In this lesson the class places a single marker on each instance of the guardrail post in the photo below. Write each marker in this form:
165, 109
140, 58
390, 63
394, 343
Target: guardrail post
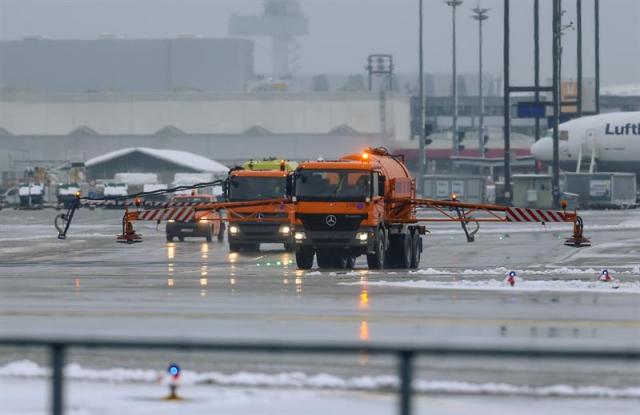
57, 355
405, 369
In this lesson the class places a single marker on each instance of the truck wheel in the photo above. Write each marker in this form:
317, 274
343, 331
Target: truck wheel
220, 235
252, 247
169, 238
209, 235
289, 247
376, 259
325, 259
340, 260
304, 258
181, 238
416, 250
351, 261
404, 252
234, 247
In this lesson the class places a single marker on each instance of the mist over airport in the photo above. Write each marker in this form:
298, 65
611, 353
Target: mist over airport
263, 206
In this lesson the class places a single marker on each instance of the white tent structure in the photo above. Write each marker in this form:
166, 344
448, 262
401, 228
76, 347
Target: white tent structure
165, 163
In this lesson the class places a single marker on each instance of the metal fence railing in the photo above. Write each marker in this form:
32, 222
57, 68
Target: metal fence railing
406, 355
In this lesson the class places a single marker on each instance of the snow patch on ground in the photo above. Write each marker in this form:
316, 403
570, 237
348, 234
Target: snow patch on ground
500, 285
301, 380
555, 227
556, 271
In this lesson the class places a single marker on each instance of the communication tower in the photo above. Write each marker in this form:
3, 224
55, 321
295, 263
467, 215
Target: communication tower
282, 21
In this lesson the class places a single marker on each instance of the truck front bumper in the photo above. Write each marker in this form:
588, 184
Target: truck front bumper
260, 233
362, 240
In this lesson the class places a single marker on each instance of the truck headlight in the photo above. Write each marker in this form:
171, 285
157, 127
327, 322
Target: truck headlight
171, 220
299, 236
362, 236
285, 229
233, 229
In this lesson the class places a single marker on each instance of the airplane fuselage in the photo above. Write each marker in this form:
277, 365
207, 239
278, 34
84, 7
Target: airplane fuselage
612, 140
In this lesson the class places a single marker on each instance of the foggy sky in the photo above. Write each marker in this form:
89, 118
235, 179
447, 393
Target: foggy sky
344, 32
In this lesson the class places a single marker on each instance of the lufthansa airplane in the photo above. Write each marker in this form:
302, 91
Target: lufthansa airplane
605, 142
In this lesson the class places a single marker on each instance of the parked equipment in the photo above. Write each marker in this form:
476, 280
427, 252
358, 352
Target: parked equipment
31, 196
66, 194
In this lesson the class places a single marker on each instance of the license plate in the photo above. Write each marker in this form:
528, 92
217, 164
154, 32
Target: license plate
186, 230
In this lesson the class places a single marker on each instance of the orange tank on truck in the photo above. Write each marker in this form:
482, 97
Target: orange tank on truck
267, 223
343, 210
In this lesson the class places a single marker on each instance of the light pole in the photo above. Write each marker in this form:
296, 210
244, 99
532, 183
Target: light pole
422, 157
480, 15
557, 96
454, 4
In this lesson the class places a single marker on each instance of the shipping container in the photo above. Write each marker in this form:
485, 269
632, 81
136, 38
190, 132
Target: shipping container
532, 190
469, 189
602, 190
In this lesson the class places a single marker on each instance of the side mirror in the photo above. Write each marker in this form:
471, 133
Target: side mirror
290, 185
381, 180
225, 189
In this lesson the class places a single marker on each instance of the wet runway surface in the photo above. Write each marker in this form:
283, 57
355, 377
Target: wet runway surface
201, 290
88, 285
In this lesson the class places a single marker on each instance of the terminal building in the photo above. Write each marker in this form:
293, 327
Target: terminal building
111, 64
67, 101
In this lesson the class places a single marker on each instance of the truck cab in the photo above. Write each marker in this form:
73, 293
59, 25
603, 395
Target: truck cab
353, 206
251, 226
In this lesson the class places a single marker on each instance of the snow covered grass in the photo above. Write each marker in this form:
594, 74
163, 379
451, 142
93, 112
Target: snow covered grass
26, 369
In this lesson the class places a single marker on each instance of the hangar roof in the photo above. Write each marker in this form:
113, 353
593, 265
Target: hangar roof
181, 158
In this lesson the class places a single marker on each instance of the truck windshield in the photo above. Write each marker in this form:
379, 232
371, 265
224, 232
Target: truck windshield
243, 188
344, 185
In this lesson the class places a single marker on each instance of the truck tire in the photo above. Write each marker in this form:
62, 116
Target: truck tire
181, 238
233, 247
340, 260
169, 238
416, 250
251, 247
404, 251
376, 259
351, 261
325, 259
304, 258
209, 235
221, 231
289, 247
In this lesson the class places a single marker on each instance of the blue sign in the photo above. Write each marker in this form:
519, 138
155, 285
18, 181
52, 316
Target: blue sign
563, 118
531, 109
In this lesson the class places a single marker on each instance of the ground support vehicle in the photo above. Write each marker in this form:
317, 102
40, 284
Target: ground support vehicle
365, 204
66, 194
259, 180
359, 205
203, 225
31, 196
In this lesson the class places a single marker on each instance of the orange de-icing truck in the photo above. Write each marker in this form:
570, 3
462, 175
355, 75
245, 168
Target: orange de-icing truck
358, 205
250, 226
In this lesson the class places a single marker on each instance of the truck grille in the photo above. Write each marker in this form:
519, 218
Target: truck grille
259, 229
331, 222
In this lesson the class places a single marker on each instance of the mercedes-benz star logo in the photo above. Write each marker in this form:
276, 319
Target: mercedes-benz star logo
260, 215
331, 220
